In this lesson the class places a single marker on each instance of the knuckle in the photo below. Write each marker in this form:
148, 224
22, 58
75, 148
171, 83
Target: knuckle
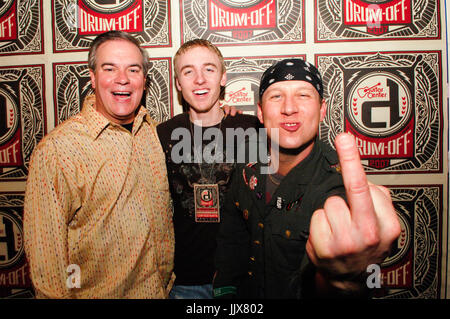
372, 240
358, 187
395, 230
325, 254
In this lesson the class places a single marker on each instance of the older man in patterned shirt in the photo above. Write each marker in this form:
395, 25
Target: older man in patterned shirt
97, 213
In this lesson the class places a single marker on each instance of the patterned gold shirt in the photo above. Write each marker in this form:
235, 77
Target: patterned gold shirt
97, 197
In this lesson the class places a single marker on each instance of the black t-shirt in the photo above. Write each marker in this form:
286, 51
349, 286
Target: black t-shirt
195, 242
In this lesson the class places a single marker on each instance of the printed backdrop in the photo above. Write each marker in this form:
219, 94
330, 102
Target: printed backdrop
384, 66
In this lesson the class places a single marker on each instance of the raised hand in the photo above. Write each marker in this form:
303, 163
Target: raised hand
345, 239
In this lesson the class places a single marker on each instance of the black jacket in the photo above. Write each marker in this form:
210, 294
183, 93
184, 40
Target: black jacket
261, 247
195, 243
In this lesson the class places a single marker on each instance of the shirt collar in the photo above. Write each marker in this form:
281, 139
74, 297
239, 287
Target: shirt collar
141, 117
96, 122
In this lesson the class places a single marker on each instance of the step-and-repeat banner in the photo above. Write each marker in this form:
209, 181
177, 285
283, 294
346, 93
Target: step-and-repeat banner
384, 67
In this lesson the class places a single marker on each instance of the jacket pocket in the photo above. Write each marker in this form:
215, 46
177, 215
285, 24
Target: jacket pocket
288, 245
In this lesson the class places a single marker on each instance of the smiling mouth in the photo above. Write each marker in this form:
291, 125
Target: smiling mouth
201, 92
292, 127
122, 94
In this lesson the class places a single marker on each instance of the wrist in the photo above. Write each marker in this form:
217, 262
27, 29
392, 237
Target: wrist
352, 285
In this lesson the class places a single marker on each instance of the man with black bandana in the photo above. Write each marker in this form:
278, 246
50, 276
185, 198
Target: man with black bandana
306, 230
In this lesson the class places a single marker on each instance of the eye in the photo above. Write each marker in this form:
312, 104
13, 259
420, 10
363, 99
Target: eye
274, 96
304, 95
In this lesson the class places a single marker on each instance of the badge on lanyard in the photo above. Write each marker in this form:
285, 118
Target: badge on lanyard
206, 197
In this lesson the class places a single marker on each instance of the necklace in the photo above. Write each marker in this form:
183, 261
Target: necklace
206, 191
276, 182
207, 178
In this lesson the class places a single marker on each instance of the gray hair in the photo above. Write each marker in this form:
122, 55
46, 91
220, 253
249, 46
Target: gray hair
111, 36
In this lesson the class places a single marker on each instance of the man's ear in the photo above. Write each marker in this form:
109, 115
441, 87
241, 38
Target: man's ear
147, 81
323, 110
92, 76
259, 113
177, 84
223, 80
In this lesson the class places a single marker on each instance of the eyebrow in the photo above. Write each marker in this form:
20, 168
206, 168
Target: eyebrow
204, 64
129, 66
299, 87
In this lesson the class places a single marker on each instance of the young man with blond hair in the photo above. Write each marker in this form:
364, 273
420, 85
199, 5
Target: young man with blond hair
200, 77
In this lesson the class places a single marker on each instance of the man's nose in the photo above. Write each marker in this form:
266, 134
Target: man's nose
122, 77
289, 106
199, 78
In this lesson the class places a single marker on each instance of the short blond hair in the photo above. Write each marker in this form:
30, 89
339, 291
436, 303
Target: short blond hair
198, 43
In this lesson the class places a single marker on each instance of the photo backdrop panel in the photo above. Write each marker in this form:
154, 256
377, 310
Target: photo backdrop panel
413, 268
72, 84
229, 22
392, 103
15, 279
77, 22
22, 118
21, 27
386, 89
362, 20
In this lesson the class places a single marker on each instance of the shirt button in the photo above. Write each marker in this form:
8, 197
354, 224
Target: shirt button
245, 214
261, 225
252, 258
257, 242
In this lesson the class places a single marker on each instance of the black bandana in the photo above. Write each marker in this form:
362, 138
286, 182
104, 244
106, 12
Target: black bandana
291, 69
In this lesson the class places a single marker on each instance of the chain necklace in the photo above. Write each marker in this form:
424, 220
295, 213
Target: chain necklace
204, 179
274, 181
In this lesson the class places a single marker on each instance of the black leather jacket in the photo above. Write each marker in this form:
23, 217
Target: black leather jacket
261, 247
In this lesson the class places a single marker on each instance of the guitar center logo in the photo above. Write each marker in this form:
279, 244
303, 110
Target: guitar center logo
356, 20
78, 22
22, 116
72, 84
379, 108
243, 76
413, 267
13, 265
231, 22
21, 27
391, 103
